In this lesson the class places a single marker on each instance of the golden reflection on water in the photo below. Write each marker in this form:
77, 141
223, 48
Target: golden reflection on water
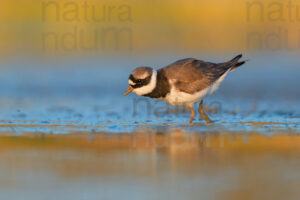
241, 166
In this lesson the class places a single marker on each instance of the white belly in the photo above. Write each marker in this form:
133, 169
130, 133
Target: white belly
178, 98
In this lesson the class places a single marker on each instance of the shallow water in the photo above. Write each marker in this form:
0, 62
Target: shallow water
67, 132
63, 96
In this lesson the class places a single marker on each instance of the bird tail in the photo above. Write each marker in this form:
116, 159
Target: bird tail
235, 63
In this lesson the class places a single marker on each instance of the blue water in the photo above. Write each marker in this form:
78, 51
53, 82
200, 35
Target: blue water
85, 94
212, 161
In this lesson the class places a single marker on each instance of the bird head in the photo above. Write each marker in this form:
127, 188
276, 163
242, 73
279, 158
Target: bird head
142, 81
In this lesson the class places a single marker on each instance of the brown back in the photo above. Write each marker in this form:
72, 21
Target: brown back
192, 75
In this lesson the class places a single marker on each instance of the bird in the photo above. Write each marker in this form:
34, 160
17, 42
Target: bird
182, 83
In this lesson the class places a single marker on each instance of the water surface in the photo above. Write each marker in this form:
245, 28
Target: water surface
67, 132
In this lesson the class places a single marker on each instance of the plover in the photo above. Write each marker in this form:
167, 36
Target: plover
182, 83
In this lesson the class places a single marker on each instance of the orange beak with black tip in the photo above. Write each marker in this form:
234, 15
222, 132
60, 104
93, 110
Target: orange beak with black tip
129, 90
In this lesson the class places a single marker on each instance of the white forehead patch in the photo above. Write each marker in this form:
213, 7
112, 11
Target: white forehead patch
130, 82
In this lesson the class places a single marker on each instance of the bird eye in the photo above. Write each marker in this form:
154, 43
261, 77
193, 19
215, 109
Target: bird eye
139, 80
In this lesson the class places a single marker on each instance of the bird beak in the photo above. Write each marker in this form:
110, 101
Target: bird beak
129, 90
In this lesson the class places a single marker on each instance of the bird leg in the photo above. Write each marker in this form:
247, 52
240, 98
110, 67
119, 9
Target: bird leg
192, 114
203, 115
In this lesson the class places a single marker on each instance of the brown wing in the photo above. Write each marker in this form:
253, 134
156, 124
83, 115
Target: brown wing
192, 75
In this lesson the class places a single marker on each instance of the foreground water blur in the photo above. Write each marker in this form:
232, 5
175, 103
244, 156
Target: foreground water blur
150, 165
66, 132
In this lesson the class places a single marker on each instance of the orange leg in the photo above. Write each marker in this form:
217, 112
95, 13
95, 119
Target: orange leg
203, 115
192, 114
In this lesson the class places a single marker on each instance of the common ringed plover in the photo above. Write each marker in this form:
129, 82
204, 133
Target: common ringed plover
182, 83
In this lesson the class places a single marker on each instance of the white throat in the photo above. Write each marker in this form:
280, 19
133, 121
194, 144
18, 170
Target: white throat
147, 88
